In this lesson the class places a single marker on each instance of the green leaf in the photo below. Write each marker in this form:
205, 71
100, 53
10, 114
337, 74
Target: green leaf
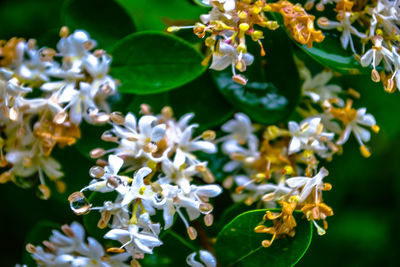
273, 89
200, 96
153, 62
238, 245
200, 3
203, 98
159, 14
106, 22
172, 252
38, 233
331, 54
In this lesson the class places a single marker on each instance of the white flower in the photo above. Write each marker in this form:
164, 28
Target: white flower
317, 88
169, 195
386, 14
206, 258
227, 55
140, 140
176, 172
98, 68
139, 190
37, 163
193, 200
308, 135
110, 171
344, 25
396, 63
375, 55
247, 156
134, 240
256, 191
75, 47
228, 5
240, 128
308, 183
47, 259
72, 242
361, 134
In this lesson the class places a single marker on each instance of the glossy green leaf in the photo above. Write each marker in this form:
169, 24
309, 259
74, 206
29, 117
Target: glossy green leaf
38, 233
203, 98
152, 62
273, 89
200, 96
238, 245
200, 3
331, 54
106, 21
159, 14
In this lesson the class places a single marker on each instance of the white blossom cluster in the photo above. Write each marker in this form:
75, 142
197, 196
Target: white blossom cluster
160, 151
69, 249
283, 164
382, 35
226, 27
45, 94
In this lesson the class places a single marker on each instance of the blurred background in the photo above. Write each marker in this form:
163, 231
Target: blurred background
365, 195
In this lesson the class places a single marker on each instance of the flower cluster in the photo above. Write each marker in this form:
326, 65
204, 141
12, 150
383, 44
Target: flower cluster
159, 150
45, 94
70, 249
282, 168
230, 21
376, 24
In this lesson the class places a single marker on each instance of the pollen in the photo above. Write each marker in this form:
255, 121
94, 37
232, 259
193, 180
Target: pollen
365, 152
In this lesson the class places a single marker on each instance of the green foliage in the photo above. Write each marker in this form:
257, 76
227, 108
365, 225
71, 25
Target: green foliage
238, 245
199, 96
331, 54
159, 14
100, 19
273, 90
153, 62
